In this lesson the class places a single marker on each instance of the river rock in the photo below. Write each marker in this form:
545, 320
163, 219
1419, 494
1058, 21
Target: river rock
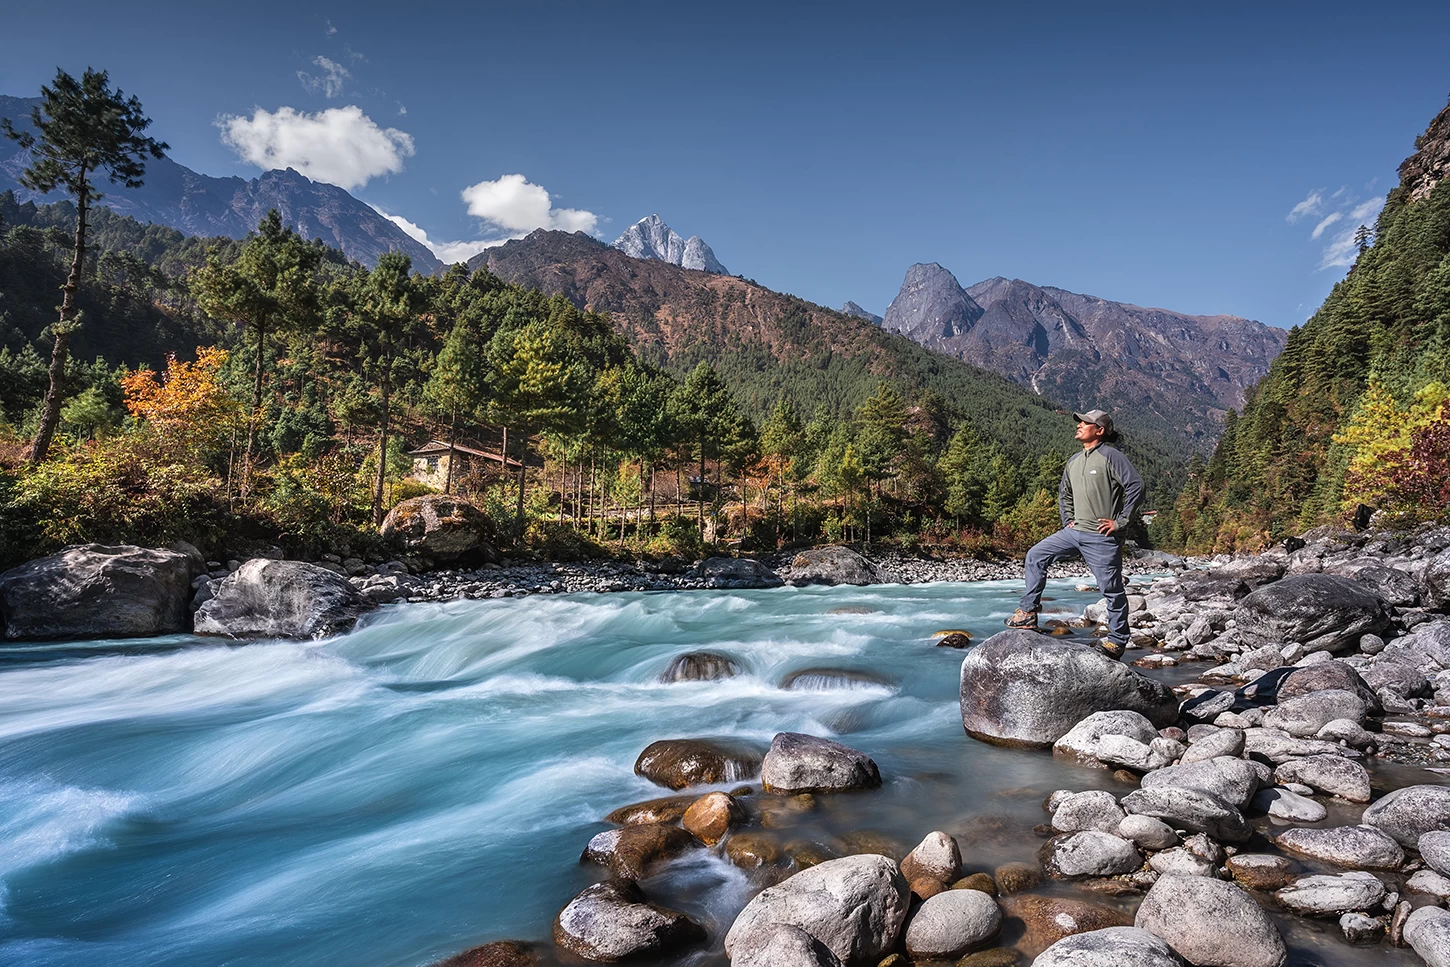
1094, 809
1304, 715
1409, 813
752, 849
828, 679
1224, 742
670, 809
677, 763
1090, 853
710, 817
1288, 806
1109, 947
500, 953
734, 572
1016, 877
281, 599
1403, 679
1233, 780
1360, 928
1328, 773
782, 945
1278, 746
832, 565
100, 591
444, 527
1321, 611
1428, 881
630, 850
700, 666
1260, 871
1324, 676
1326, 895
1427, 931
610, 921
1360, 847
1211, 923
806, 763
936, 857
1434, 847
1395, 586
1047, 919
1147, 832
855, 906
1181, 860
1020, 688
952, 923
1435, 582
1112, 739
1427, 647
1190, 809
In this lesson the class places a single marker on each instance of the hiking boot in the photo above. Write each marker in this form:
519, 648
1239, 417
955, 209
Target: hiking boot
1022, 619
1113, 649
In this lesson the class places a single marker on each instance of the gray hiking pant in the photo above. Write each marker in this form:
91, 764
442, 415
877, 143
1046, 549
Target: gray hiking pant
1104, 557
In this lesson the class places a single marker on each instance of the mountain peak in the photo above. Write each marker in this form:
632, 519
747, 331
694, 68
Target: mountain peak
931, 305
852, 309
651, 238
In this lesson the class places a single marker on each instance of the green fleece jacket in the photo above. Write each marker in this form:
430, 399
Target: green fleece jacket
1098, 484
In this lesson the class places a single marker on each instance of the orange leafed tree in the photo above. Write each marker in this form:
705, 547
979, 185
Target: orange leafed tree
188, 407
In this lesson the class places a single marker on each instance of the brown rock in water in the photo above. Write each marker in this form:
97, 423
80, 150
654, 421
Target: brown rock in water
981, 882
711, 817
677, 763
630, 850
1260, 871
751, 850
851, 609
500, 953
925, 887
805, 854
861, 841
779, 812
1049, 919
670, 809
996, 957
956, 640
1017, 877
700, 666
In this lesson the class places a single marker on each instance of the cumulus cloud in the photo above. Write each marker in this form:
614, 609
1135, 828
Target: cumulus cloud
514, 205
1339, 216
329, 81
341, 145
447, 252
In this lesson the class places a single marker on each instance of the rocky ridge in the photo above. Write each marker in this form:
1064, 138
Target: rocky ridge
651, 238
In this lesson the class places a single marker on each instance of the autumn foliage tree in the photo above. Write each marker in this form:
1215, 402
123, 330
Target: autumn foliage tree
187, 407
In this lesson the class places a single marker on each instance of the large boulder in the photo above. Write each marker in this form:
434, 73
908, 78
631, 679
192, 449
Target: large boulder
281, 599
855, 906
444, 527
611, 921
1211, 923
1109, 947
833, 565
1321, 611
1021, 688
677, 763
1409, 813
806, 763
734, 572
1231, 580
99, 591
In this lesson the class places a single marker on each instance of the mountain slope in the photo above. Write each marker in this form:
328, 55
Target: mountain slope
651, 238
764, 343
198, 204
1169, 375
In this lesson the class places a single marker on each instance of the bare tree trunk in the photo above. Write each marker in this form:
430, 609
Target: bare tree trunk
452, 430
386, 387
60, 351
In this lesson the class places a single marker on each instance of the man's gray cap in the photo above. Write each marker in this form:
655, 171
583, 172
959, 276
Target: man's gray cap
1100, 417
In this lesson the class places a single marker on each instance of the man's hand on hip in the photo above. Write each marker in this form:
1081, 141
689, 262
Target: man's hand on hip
1106, 526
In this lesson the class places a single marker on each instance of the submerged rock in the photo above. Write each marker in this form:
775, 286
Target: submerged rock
1019, 688
500, 953
1047, 919
100, 591
677, 763
281, 599
700, 666
611, 921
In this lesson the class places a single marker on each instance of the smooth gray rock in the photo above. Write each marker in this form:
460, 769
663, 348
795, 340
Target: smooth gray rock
1094, 809
1211, 923
1147, 832
1428, 881
281, 599
952, 923
1190, 809
1229, 742
1181, 860
1325, 895
1321, 611
1359, 847
1322, 676
1304, 715
783, 945
855, 906
1435, 581
1090, 853
1288, 806
1328, 773
1403, 679
1345, 730
1409, 813
1277, 746
1434, 847
1427, 647
1427, 931
100, 591
445, 527
734, 572
806, 763
1021, 688
1233, 780
937, 856
1115, 739
833, 565
611, 921
1109, 947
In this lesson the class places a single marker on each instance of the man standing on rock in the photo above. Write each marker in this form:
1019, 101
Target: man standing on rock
1099, 491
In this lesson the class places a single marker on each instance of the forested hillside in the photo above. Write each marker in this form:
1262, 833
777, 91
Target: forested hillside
1354, 412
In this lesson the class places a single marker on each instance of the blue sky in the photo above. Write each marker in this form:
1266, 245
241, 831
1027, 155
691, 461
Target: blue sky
1179, 157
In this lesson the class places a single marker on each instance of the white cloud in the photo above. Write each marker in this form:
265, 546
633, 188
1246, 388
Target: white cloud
330, 28
447, 252
329, 82
516, 206
1312, 205
1342, 252
1367, 212
1328, 220
341, 145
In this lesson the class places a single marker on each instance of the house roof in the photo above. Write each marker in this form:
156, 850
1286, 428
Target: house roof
439, 448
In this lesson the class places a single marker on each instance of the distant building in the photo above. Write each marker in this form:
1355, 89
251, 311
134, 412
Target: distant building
430, 462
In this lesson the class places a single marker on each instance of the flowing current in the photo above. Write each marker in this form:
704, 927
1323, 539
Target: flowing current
425, 784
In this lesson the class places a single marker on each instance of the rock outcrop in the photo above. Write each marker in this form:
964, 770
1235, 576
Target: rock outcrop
443, 527
651, 238
281, 599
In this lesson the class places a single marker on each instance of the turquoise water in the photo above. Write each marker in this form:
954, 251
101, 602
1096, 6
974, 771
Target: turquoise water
426, 783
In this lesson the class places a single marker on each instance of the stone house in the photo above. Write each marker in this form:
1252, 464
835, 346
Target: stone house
430, 462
